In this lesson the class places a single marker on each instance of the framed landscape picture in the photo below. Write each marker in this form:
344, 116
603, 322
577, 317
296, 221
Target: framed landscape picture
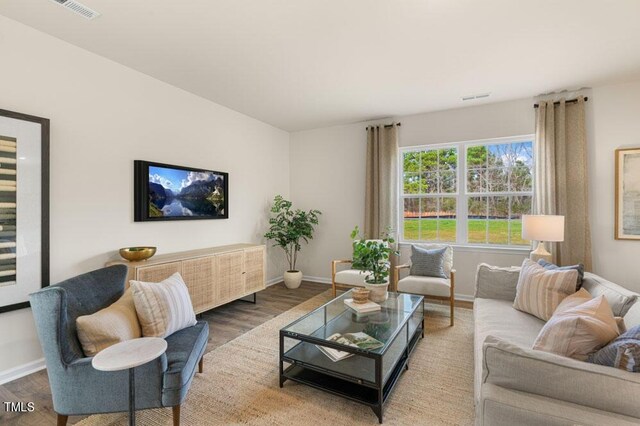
169, 192
627, 194
24, 208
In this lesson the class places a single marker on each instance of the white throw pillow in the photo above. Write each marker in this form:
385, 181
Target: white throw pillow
578, 329
163, 308
540, 291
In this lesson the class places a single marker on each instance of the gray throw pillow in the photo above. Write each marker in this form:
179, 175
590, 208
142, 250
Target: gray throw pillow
579, 267
622, 352
427, 263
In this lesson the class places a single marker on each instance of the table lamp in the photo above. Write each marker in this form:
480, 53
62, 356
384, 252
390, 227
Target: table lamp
542, 228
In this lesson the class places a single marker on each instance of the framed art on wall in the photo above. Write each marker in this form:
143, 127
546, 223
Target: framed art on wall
24, 208
627, 194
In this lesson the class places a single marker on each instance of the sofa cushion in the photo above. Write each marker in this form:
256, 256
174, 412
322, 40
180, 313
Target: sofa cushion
115, 323
354, 277
557, 377
184, 350
632, 318
431, 286
620, 299
498, 318
428, 262
540, 291
493, 282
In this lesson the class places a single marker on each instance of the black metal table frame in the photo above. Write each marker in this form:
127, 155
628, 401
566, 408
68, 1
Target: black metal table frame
383, 388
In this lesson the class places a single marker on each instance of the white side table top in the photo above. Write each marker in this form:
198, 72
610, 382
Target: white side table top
129, 354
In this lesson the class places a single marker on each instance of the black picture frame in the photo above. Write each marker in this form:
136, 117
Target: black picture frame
141, 192
45, 242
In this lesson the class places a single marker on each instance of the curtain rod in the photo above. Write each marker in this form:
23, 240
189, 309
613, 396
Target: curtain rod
570, 101
386, 126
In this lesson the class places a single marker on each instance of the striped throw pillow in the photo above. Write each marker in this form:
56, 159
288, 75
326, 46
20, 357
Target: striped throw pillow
578, 331
539, 291
114, 324
163, 308
620, 352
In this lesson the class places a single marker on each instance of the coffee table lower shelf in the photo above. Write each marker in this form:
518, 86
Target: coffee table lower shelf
363, 393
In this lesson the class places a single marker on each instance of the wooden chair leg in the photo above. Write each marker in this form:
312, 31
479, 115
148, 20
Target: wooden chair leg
176, 415
62, 420
452, 296
201, 365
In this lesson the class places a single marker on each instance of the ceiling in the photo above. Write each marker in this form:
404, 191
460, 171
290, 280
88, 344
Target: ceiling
302, 64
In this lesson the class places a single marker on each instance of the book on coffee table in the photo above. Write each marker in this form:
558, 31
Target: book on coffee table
362, 308
357, 340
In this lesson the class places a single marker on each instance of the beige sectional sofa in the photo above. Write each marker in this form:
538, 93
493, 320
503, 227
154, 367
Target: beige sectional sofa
515, 385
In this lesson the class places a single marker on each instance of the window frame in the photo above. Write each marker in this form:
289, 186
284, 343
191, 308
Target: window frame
461, 195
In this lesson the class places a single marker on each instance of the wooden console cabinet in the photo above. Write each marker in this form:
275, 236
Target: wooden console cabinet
214, 276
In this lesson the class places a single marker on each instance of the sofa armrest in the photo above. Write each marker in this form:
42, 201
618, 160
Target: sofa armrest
565, 379
494, 282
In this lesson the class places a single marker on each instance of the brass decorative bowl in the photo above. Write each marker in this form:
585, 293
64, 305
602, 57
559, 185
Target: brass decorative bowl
360, 295
135, 254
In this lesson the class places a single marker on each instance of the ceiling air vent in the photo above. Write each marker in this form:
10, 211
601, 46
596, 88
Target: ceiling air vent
78, 8
478, 96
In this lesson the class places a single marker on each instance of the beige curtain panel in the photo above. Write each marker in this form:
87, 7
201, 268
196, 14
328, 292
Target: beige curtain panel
561, 177
381, 197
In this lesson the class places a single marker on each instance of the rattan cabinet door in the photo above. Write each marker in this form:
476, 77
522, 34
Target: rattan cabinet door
157, 273
229, 276
254, 270
199, 276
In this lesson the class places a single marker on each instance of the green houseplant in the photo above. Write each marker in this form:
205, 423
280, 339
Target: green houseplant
372, 257
288, 228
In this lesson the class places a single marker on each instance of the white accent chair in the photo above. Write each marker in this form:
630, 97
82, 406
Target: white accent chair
430, 287
349, 278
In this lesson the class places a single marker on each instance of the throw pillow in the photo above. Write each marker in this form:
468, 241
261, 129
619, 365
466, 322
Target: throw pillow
620, 351
163, 308
539, 291
628, 358
427, 263
578, 331
579, 267
116, 323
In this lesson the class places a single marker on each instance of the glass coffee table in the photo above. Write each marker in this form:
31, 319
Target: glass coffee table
366, 376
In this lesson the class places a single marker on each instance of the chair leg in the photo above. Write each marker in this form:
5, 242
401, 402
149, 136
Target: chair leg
62, 420
176, 415
201, 365
333, 286
452, 297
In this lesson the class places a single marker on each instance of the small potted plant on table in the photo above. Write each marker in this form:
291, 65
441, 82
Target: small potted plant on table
372, 258
288, 228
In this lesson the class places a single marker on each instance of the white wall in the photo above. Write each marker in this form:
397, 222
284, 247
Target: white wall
328, 173
103, 116
615, 124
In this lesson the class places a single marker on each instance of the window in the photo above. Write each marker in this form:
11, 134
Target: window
473, 192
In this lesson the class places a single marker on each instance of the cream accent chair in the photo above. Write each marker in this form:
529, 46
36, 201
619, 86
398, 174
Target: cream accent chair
430, 287
349, 278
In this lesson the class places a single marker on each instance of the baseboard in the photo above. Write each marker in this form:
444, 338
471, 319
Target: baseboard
274, 281
21, 371
319, 280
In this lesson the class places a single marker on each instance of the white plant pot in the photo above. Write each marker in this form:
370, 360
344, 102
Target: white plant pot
292, 279
377, 292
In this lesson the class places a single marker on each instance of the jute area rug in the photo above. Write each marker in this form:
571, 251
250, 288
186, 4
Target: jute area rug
239, 385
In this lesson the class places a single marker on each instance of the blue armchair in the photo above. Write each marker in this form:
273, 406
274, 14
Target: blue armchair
79, 389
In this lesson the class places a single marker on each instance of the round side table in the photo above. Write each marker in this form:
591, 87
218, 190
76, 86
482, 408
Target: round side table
128, 355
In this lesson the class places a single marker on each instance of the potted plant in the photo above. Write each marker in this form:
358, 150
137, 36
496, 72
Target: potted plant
372, 258
288, 228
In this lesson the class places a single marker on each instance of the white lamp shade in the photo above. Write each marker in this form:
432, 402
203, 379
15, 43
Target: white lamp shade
543, 227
